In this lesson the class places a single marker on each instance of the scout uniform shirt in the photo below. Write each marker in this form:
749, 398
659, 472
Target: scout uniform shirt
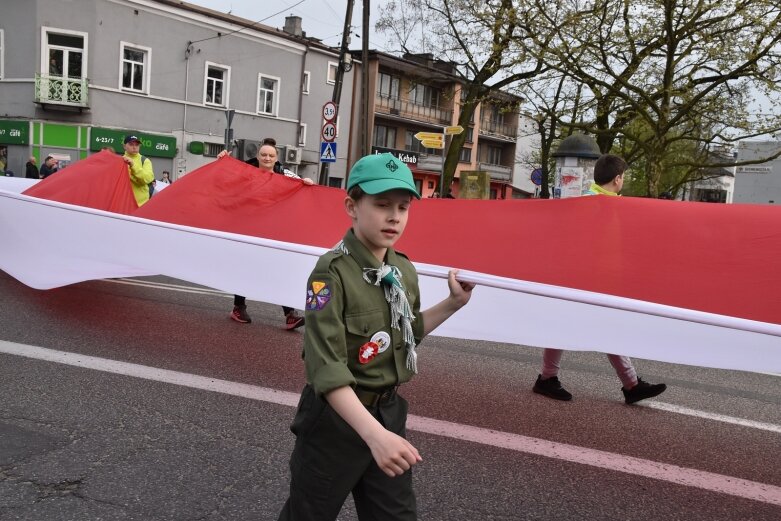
349, 339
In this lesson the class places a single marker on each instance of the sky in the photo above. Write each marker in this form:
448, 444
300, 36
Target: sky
323, 19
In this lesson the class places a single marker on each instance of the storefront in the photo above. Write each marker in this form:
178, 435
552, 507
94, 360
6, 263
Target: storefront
20, 139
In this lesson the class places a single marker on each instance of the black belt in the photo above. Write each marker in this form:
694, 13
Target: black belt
373, 397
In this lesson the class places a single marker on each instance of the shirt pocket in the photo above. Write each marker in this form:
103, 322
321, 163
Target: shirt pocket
362, 325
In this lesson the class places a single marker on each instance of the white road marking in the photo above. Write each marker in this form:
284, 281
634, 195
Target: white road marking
669, 407
719, 483
169, 287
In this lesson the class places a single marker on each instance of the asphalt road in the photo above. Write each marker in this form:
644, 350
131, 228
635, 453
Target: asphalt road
88, 438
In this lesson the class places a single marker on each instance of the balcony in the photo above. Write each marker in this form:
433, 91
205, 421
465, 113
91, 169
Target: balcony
413, 111
498, 130
59, 90
496, 171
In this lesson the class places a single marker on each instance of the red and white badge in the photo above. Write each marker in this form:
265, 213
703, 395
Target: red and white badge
367, 351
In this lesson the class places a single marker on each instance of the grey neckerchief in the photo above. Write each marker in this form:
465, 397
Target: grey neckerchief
401, 313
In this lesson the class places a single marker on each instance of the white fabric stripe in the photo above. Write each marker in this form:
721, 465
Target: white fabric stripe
61, 244
610, 461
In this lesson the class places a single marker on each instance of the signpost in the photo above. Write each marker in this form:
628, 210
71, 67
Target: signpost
327, 140
436, 140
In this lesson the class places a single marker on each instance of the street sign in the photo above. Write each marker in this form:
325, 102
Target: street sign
327, 152
536, 176
329, 132
430, 136
329, 111
457, 129
430, 143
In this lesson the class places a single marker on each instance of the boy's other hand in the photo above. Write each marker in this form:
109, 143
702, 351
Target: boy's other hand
393, 454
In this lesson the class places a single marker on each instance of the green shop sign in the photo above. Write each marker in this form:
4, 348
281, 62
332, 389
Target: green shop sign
151, 144
14, 132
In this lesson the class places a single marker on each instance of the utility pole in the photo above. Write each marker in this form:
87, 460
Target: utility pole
344, 65
365, 101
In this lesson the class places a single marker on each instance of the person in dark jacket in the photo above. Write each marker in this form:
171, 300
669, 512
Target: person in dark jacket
48, 167
31, 169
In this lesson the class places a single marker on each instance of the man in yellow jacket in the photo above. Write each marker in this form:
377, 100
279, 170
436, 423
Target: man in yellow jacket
139, 168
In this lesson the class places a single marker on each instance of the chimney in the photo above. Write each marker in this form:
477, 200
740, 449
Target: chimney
293, 25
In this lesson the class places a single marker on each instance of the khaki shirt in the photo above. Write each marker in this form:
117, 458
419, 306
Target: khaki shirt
344, 312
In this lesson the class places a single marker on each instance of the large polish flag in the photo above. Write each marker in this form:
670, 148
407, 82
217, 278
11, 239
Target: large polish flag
690, 283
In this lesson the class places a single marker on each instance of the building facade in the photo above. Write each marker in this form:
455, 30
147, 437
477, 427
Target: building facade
77, 76
760, 183
418, 96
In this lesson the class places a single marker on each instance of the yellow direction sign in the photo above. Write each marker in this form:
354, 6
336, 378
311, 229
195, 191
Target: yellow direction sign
432, 143
457, 129
429, 136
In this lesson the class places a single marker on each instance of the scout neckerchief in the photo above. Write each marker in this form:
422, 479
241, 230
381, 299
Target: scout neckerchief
389, 277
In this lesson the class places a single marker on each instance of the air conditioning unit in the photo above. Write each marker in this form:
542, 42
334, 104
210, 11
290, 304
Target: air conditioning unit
246, 149
292, 155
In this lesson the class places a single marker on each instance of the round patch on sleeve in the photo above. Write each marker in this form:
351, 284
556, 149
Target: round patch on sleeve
317, 296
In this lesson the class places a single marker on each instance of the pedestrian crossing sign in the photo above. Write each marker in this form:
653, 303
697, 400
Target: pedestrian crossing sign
327, 152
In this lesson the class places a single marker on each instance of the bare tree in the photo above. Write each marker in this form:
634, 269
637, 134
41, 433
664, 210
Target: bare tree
486, 39
660, 72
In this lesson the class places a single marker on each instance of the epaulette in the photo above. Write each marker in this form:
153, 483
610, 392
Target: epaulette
326, 259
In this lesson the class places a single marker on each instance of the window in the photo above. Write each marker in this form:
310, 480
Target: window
216, 84
384, 137
134, 69
465, 155
497, 117
494, 155
332, 68
268, 88
302, 134
470, 134
305, 82
335, 182
424, 95
65, 53
2, 54
388, 86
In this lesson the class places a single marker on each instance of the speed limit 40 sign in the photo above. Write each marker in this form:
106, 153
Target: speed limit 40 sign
329, 132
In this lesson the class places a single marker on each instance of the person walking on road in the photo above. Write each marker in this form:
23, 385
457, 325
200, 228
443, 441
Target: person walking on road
608, 180
363, 325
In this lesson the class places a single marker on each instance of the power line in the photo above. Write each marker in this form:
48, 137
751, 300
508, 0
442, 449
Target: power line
251, 26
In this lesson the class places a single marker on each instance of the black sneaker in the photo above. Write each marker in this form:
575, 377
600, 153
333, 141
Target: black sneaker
551, 387
240, 314
642, 390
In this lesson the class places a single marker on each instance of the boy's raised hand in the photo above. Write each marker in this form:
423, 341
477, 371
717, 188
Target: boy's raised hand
460, 292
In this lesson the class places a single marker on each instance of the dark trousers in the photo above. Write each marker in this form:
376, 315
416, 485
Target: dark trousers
330, 460
238, 300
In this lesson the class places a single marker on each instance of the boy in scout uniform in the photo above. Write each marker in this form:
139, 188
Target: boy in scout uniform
363, 323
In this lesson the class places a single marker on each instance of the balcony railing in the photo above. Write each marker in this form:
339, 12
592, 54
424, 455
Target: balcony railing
406, 109
496, 171
499, 129
59, 90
